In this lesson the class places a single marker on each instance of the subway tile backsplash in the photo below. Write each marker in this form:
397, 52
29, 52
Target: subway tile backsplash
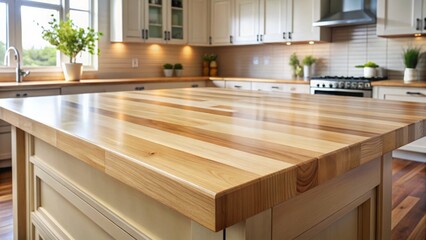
350, 46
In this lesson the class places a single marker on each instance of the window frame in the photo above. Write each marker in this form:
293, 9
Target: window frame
14, 31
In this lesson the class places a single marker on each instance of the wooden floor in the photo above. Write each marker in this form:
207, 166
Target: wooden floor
408, 201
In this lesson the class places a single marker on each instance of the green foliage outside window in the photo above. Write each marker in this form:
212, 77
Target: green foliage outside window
2, 52
39, 57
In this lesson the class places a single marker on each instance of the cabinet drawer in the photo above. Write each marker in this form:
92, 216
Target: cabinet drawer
238, 85
29, 93
268, 87
402, 94
296, 88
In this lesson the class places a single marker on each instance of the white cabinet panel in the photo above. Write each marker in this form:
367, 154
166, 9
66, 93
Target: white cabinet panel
248, 17
221, 22
275, 29
267, 87
199, 22
238, 85
408, 94
396, 17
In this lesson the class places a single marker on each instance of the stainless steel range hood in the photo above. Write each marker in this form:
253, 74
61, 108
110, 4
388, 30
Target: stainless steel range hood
348, 12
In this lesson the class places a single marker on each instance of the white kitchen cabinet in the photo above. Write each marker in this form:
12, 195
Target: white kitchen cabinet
396, 17
291, 20
249, 21
199, 22
281, 87
5, 135
222, 28
243, 85
153, 21
417, 149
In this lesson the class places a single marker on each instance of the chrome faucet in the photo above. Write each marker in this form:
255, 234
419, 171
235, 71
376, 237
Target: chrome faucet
19, 72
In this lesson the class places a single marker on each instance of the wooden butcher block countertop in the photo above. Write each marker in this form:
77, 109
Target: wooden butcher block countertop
398, 83
216, 155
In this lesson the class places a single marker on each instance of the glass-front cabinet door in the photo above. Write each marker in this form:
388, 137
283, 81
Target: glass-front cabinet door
166, 21
178, 20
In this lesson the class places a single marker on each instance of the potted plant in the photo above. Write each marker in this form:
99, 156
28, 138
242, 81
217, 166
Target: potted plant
213, 65
168, 70
307, 62
71, 40
411, 58
178, 69
295, 65
370, 69
206, 65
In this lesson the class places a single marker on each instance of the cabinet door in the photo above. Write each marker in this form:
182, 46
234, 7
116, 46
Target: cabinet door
127, 20
133, 18
396, 17
177, 20
275, 21
221, 22
199, 28
247, 21
155, 19
267, 87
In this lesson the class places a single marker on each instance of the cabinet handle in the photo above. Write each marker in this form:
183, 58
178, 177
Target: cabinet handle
25, 94
146, 34
143, 33
237, 86
170, 34
231, 39
275, 87
424, 24
18, 95
261, 37
165, 35
284, 35
417, 24
258, 37
416, 93
210, 40
194, 85
139, 88
289, 35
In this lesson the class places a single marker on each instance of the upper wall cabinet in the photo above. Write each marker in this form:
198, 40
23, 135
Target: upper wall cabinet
249, 20
221, 22
154, 21
199, 22
291, 20
396, 17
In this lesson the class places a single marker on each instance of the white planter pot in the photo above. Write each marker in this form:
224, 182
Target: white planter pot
370, 72
410, 74
307, 72
178, 72
168, 72
72, 71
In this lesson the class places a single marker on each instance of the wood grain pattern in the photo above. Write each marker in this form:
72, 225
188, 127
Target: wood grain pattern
236, 153
398, 83
6, 211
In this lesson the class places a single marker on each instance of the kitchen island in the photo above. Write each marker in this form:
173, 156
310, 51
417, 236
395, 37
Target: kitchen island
205, 163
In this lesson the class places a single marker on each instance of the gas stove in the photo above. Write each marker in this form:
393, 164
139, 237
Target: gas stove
345, 86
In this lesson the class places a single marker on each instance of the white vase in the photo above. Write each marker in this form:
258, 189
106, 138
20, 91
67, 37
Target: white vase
370, 72
168, 72
307, 72
178, 72
410, 74
72, 71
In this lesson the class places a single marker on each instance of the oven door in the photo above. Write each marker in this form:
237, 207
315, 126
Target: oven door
342, 92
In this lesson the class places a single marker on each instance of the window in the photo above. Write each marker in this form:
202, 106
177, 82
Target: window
3, 31
35, 51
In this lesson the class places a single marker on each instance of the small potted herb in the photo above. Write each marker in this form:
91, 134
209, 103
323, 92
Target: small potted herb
71, 40
178, 69
411, 58
168, 70
295, 65
307, 62
370, 69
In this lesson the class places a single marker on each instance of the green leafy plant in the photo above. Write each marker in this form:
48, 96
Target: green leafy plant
368, 64
178, 66
70, 39
168, 66
411, 56
295, 65
308, 60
